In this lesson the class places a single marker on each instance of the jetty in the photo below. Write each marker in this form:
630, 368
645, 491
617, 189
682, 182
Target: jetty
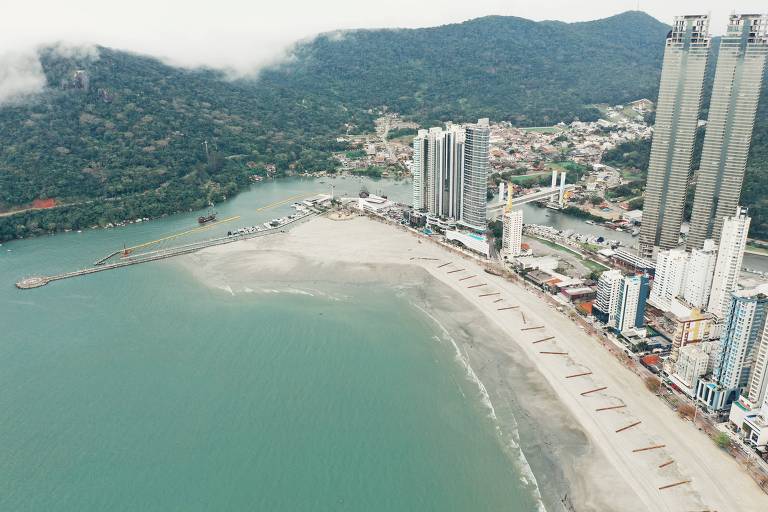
101, 265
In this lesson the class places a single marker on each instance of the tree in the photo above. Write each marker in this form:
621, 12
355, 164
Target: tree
722, 440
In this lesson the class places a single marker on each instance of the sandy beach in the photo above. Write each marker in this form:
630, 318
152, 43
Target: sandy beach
587, 426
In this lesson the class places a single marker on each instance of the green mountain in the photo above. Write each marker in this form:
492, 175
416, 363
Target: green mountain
499, 67
132, 145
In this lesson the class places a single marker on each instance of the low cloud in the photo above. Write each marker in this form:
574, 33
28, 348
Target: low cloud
79, 51
21, 76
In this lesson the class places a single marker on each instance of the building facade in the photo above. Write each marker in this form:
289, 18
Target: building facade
677, 115
730, 255
698, 277
475, 175
670, 278
512, 238
419, 169
732, 110
737, 348
633, 294
693, 362
606, 303
758, 381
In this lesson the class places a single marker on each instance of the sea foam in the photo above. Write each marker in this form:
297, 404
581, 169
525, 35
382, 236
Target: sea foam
527, 477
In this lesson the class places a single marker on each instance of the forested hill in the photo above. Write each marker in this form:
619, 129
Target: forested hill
132, 144
532, 73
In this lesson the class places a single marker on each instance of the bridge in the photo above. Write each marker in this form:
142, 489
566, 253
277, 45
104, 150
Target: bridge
145, 257
493, 211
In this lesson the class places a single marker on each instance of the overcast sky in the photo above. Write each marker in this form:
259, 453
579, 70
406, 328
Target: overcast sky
243, 34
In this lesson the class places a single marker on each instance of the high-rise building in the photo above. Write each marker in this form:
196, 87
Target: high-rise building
730, 255
669, 281
475, 178
607, 298
758, 381
677, 115
438, 159
698, 277
419, 170
732, 110
736, 351
633, 294
451, 149
434, 164
512, 237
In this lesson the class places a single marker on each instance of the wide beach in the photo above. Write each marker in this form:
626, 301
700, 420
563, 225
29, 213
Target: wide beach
572, 447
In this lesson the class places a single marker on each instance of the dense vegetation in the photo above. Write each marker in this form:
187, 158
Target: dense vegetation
132, 145
499, 67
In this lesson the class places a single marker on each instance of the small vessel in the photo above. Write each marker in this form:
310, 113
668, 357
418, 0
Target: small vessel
206, 218
590, 222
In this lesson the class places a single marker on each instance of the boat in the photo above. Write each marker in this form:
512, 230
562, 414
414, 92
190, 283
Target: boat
206, 218
590, 222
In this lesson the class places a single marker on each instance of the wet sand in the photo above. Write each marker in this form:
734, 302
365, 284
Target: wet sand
571, 447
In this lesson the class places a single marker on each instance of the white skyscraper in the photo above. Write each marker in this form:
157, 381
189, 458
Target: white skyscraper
419, 170
476, 169
732, 110
698, 278
677, 117
512, 238
730, 255
758, 382
631, 306
438, 160
670, 280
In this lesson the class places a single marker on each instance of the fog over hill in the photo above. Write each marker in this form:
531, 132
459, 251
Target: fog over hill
131, 144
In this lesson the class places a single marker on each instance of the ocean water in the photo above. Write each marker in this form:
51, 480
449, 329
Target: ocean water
143, 389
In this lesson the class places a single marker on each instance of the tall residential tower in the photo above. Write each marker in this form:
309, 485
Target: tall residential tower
732, 110
677, 116
729, 258
475, 179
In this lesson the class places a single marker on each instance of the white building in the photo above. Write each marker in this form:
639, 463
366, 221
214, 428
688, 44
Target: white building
472, 241
512, 238
475, 175
631, 307
738, 346
419, 170
758, 382
698, 278
438, 160
693, 362
607, 299
670, 278
733, 241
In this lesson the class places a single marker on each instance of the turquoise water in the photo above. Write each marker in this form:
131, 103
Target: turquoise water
143, 389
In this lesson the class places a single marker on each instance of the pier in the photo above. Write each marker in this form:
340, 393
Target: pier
101, 265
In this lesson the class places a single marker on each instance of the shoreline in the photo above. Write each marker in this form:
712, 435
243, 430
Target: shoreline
600, 471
